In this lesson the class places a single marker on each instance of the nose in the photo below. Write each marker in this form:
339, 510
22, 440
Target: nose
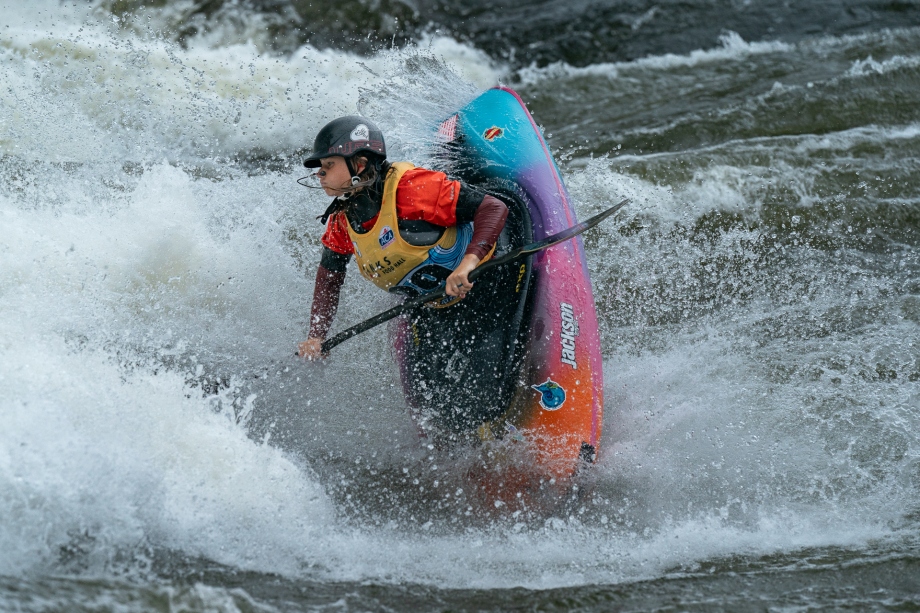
320, 173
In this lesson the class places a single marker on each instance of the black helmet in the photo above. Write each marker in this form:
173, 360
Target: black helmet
346, 136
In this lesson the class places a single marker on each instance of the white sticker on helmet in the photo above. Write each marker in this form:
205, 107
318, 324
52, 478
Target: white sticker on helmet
361, 132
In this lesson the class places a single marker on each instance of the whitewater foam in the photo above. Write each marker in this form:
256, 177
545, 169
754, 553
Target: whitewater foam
140, 266
93, 92
731, 48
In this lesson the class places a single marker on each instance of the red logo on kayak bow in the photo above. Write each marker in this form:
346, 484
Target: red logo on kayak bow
493, 133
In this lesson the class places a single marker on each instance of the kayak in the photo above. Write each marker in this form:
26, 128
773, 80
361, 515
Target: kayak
518, 361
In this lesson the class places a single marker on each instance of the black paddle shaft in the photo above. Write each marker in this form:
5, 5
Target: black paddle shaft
511, 256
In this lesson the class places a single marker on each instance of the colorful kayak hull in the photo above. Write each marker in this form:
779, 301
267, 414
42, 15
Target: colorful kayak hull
542, 392
559, 406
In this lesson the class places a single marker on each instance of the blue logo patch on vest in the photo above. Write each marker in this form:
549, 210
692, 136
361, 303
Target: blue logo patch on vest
431, 274
552, 395
386, 236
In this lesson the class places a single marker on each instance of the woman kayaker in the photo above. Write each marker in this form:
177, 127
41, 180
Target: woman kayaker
410, 229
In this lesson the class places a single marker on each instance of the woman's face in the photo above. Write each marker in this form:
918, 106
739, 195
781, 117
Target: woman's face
333, 175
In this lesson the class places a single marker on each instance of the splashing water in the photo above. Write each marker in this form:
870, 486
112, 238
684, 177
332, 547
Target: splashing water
759, 310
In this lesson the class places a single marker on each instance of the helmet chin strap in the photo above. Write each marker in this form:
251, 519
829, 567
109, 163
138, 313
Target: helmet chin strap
355, 179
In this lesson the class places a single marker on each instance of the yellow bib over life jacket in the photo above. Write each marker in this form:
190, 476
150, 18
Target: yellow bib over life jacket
389, 262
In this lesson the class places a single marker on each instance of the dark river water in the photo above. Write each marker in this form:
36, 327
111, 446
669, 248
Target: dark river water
759, 304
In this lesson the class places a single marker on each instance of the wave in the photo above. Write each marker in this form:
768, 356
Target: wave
731, 48
742, 92
895, 46
84, 92
127, 303
99, 463
869, 66
113, 440
534, 32
762, 388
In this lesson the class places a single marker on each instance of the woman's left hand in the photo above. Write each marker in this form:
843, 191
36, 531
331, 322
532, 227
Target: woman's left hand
458, 283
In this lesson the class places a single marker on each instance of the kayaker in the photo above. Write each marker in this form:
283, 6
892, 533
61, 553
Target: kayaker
391, 216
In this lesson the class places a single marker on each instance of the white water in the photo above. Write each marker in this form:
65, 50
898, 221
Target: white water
136, 262
897, 46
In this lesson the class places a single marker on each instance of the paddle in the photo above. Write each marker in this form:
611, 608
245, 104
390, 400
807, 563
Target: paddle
511, 256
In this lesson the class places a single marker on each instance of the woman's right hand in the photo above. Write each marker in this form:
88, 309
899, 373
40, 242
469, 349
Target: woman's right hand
311, 349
